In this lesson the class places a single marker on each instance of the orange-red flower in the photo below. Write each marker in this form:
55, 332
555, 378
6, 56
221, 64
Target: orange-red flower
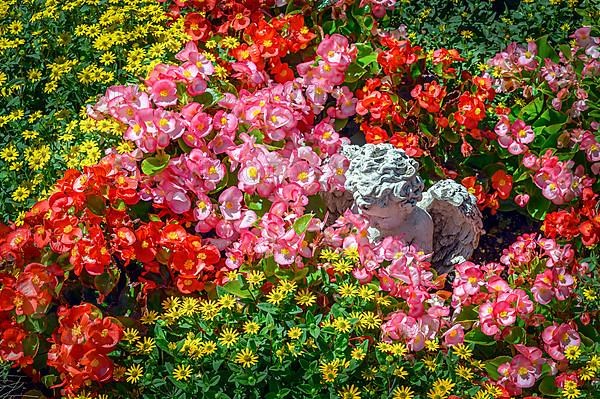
502, 183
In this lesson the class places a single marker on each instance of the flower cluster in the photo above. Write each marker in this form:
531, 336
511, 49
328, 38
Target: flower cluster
198, 258
81, 344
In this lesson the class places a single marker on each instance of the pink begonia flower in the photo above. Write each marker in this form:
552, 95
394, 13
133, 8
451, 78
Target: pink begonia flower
454, 336
284, 254
225, 229
221, 143
234, 259
164, 93
522, 132
197, 86
225, 122
345, 103
557, 338
542, 288
203, 207
178, 201
249, 176
522, 200
247, 72
168, 123
582, 36
527, 58
230, 203
188, 71
336, 51
201, 124
523, 371
504, 314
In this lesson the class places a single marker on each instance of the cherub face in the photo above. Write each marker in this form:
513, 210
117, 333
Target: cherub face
386, 217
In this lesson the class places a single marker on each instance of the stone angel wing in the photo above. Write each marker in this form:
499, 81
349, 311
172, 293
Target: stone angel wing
456, 220
336, 202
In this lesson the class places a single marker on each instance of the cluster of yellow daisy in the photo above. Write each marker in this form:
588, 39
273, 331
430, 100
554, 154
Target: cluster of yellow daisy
331, 369
65, 54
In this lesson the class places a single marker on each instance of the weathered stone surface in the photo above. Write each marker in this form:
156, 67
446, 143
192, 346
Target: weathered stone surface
387, 189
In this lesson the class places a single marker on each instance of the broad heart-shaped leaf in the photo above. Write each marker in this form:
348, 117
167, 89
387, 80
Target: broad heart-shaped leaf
153, 165
516, 335
269, 266
491, 366
235, 288
548, 387
479, 338
107, 281
31, 344
354, 72
301, 224
468, 313
96, 204
538, 206
545, 50
532, 111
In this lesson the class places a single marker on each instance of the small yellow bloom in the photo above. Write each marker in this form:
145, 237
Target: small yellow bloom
275, 297
131, 335
573, 352
227, 301
134, 373
251, 327
182, 373
349, 392
255, 277
402, 393
149, 317
305, 298
294, 333
347, 290
228, 337
246, 357
342, 325
464, 372
462, 351
570, 390
21, 194
358, 354
146, 345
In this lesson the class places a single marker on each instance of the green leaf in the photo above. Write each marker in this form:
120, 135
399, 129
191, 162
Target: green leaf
107, 281
516, 335
354, 72
95, 203
268, 308
269, 266
545, 50
235, 288
258, 135
209, 98
31, 345
532, 110
548, 387
154, 165
301, 224
468, 313
538, 206
477, 337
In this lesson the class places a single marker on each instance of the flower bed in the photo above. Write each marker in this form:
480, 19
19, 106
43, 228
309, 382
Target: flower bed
201, 260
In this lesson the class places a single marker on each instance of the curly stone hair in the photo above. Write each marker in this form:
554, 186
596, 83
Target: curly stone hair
380, 173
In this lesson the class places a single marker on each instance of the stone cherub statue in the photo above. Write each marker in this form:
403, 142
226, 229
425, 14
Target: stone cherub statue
382, 183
